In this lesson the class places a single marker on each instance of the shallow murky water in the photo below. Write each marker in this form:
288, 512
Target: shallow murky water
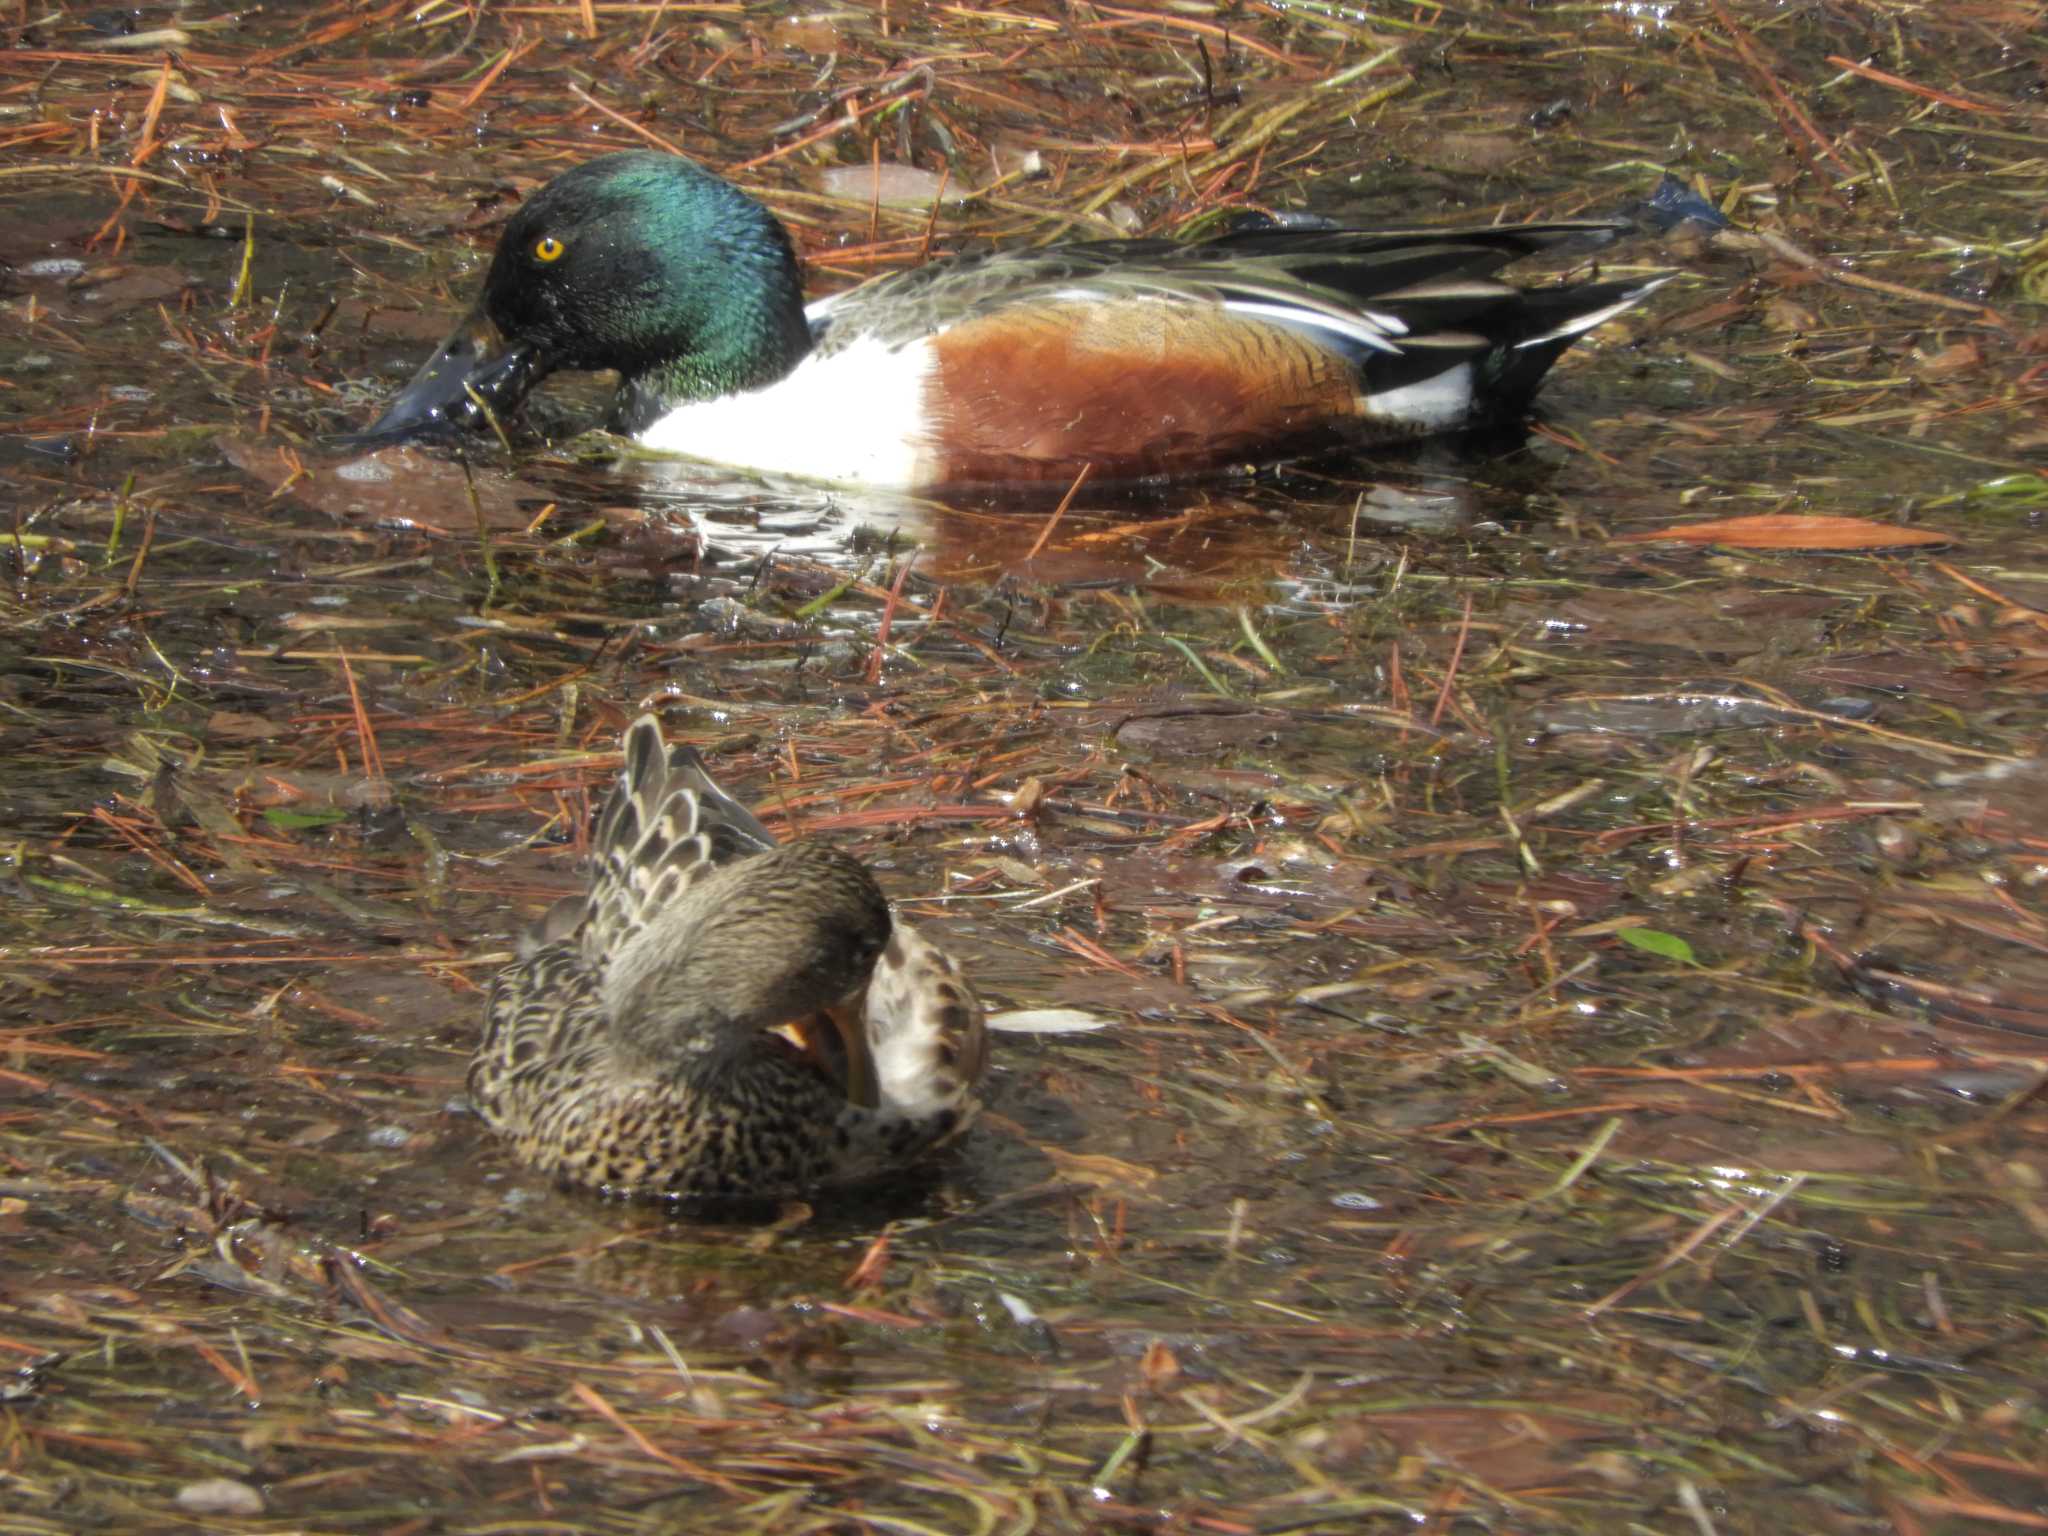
1571, 1008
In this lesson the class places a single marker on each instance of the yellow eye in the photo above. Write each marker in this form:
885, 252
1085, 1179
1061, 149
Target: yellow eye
548, 248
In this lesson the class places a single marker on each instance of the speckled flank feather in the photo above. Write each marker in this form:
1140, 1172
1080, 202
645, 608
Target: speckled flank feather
631, 1047
925, 1027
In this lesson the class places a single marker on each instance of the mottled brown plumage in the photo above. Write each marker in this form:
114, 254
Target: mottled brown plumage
633, 1047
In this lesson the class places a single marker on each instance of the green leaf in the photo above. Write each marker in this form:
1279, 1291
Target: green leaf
299, 821
1657, 942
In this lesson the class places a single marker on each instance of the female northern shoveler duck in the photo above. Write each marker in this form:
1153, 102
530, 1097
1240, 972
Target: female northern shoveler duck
633, 1048
1140, 358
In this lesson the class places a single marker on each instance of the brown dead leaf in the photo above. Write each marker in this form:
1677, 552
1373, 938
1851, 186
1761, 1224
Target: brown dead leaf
807, 34
1101, 1171
395, 487
1782, 530
1469, 152
1962, 357
227, 725
1784, 315
1708, 317
1159, 1367
1517, 1447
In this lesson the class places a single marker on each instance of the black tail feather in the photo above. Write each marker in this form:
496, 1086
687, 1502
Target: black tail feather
1552, 319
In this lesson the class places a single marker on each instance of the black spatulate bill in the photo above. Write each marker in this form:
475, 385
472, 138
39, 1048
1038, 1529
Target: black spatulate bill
475, 370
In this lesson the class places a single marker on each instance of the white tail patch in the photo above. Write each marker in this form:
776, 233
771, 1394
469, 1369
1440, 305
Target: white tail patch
1441, 401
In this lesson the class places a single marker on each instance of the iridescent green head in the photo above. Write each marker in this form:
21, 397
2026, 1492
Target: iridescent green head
640, 262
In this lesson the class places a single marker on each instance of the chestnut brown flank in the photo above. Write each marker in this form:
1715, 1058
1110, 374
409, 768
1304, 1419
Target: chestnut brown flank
1132, 387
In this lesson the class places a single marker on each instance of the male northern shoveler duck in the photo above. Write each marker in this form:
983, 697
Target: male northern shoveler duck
633, 1048
1140, 358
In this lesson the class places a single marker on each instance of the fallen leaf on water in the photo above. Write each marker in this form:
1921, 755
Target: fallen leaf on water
1047, 1021
220, 1496
1960, 358
1101, 1171
1772, 530
1159, 1367
893, 186
1657, 942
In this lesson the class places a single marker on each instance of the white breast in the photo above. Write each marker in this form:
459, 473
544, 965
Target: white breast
854, 417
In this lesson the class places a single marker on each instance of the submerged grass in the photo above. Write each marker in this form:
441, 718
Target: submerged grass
1571, 1029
